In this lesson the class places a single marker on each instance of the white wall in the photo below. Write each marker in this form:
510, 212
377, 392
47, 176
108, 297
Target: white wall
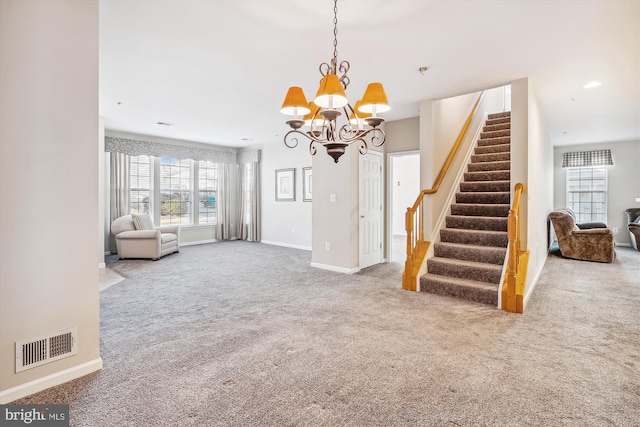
335, 222
48, 186
440, 124
402, 135
623, 181
531, 162
286, 223
405, 186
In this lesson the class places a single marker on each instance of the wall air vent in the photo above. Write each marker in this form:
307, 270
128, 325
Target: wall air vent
45, 349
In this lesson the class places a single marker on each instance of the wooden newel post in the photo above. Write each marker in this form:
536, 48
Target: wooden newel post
409, 228
512, 266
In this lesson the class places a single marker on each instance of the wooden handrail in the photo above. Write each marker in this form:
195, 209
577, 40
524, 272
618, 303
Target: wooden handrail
515, 278
416, 245
452, 154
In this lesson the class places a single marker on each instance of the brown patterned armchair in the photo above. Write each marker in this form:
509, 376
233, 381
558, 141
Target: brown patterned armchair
589, 242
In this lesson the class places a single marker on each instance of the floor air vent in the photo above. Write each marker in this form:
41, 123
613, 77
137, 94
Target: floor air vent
45, 349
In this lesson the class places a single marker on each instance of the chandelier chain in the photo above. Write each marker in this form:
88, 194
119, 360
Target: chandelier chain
335, 34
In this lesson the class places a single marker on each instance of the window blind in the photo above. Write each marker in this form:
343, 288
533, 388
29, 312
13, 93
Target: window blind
587, 158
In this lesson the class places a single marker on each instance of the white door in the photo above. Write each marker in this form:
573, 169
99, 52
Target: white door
370, 209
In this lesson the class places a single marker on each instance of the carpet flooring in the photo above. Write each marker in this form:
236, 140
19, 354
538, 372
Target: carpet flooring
246, 334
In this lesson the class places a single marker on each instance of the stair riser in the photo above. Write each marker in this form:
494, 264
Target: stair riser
485, 186
489, 274
480, 210
483, 198
487, 176
489, 166
499, 121
494, 141
451, 289
496, 134
504, 114
495, 127
476, 223
470, 253
452, 235
491, 157
500, 148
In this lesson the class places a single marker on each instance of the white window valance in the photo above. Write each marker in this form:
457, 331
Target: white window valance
136, 147
587, 158
248, 156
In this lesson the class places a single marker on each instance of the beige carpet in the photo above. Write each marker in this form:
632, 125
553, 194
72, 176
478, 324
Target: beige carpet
246, 334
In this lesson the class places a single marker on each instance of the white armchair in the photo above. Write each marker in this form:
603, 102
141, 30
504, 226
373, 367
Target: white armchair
137, 237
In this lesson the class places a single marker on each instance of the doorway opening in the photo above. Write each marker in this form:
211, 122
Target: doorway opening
404, 186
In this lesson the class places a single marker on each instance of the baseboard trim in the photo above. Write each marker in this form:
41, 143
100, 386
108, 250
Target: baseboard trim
335, 268
52, 380
286, 245
199, 242
101, 265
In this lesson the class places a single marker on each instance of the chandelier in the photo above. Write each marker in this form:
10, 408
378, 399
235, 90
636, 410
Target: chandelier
320, 117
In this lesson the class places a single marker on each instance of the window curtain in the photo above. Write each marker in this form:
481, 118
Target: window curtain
119, 189
249, 212
587, 158
223, 229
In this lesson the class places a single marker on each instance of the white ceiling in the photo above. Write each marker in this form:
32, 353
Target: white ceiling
218, 70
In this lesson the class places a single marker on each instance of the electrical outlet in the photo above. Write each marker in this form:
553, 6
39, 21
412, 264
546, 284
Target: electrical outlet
327, 246
615, 229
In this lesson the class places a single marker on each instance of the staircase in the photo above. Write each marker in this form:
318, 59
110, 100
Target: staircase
468, 260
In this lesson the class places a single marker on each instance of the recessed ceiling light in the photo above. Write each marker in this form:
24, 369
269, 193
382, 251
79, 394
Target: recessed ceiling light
591, 85
164, 124
246, 139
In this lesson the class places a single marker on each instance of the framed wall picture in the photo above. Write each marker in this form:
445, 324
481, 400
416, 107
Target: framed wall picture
285, 185
306, 184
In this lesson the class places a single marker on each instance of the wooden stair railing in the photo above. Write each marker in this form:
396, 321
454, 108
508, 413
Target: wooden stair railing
417, 247
516, 276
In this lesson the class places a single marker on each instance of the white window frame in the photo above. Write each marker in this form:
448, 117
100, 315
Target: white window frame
155, 191
587, 199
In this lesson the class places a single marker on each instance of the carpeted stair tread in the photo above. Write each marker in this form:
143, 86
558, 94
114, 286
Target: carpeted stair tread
488, 254
489, 166
487, 176
470, 290
475, 237
495, 134
493, 223
499, 120
497, 148
494, 141
479, 209
462, 269
499, 115
485, 186
500, 197
497, 126
491, 157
